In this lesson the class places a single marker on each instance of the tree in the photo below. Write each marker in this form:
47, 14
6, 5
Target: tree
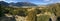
1, 10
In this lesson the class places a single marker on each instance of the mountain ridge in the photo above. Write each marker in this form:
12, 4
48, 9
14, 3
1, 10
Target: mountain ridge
17, 4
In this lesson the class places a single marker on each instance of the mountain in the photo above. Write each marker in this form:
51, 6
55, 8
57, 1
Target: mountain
4, 3
22, 4
17, 4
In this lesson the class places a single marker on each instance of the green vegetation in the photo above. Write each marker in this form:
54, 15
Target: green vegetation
54, 8
43, 18
2, 10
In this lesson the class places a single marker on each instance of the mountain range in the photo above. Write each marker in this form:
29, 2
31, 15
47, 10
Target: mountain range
17, 4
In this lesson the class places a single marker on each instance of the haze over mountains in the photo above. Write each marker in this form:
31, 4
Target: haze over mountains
17, 4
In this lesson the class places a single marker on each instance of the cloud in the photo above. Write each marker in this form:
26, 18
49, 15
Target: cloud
52, 1
55, 1
2, 0
11, 1
58, 1
47, 0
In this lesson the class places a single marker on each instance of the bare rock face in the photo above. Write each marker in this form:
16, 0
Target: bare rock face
20, 18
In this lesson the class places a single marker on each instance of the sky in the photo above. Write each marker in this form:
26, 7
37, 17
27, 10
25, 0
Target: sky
41, 2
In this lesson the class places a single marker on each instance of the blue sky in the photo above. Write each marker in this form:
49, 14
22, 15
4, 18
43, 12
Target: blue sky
41, 2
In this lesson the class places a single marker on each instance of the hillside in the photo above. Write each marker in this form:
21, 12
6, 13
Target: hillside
42, 13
